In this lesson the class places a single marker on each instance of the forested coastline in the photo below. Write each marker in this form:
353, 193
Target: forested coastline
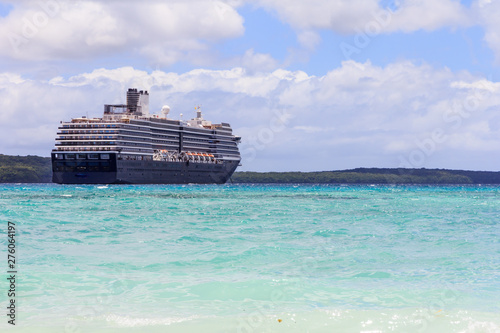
372, 176
25, 169
36, 169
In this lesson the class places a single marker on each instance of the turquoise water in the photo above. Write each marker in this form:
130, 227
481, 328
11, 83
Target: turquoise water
243, 258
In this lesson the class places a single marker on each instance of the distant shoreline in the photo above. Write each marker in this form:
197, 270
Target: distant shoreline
373, 176
36, 169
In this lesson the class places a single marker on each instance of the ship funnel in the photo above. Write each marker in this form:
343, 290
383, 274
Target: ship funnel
138, 102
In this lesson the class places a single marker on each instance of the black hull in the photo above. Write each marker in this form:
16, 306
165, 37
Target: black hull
146, 172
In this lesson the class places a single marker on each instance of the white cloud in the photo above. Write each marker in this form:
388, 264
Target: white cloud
309, 39
10, 78
356, 115
487, 13
258, 62
165, 32
347, 16
339, 15
429, 15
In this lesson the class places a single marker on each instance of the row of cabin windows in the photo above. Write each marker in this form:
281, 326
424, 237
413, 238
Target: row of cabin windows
90, 143
69, 166
87, 137
89, 132
82, 156
86, 125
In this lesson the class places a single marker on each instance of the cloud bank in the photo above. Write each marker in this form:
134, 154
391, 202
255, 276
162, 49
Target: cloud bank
356, 115
348, 17
168, 32
164, 32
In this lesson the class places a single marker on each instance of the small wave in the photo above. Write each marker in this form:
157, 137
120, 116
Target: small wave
127, 321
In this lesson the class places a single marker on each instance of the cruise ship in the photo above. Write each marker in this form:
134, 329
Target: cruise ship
130, 146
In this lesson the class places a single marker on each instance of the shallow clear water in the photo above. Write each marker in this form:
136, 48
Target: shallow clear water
243, 258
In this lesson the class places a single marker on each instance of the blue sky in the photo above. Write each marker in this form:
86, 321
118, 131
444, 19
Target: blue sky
360, 83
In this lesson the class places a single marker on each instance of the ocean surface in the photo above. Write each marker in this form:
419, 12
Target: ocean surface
252, 258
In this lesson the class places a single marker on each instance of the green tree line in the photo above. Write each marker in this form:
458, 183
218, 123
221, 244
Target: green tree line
25, 169
36, 169
371, 176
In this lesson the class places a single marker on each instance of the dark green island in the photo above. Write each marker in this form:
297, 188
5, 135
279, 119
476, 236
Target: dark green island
36, 169
25, 169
